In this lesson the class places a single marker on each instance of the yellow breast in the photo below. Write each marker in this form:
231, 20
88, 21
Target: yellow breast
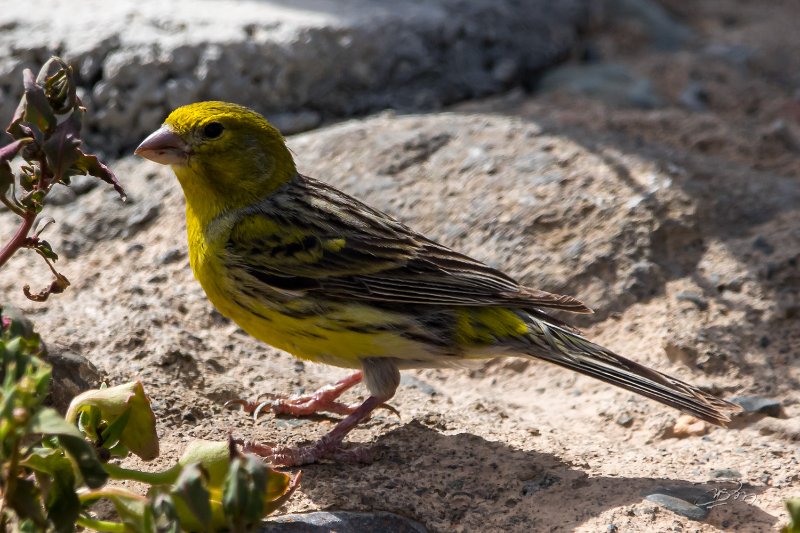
295, 326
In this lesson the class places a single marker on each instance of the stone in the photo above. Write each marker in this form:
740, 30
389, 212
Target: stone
759, 405
611, 83
663, 30
678, 506
72, 375
136, 60
341, 522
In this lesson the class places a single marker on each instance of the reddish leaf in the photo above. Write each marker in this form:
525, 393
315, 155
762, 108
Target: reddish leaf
62, 148
89, 164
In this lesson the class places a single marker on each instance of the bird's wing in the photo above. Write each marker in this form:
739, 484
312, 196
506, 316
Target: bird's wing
311, 238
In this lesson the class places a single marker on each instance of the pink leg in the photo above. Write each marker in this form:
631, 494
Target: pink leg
322, 400
328, 447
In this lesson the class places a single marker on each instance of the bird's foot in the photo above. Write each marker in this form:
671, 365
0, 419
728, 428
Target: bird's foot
323, 400
328, 447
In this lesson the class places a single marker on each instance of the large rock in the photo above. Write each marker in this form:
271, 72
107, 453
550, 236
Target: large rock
295, 61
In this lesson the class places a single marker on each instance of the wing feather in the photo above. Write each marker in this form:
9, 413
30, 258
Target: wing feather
322, 242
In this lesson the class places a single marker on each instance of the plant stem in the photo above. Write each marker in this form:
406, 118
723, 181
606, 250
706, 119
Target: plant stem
151, 478
19, 237
101, 525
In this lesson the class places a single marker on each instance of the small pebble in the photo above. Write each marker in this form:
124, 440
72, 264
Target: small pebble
725, 473
757, 404
678, 506
170, 256
341, 522
625, 420
696, 299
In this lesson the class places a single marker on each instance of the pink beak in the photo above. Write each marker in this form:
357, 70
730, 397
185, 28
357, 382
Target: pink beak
165, 147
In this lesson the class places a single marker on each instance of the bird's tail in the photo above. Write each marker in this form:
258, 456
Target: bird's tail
568, 349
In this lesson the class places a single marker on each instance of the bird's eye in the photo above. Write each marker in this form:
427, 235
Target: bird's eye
212, 130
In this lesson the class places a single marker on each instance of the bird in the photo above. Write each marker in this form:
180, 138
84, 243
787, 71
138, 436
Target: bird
308, 269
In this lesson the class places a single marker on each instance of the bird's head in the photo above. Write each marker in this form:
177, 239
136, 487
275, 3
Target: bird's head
222, 153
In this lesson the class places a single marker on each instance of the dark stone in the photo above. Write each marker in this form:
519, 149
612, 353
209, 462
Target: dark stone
170, 256
341, 522
694, 97
756, 404
546, 480
762, 244
72, 375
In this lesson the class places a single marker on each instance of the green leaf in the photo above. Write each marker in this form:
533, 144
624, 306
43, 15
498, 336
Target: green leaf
161, 515
139, 434
88, 422
191, 491
62, 502
25, 499
90, 467
243, 492
112, 434
45, 250
213, 456
794, 516
49, 422
131, 508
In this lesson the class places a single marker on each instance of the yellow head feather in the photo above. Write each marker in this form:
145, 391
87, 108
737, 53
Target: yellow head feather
235, 156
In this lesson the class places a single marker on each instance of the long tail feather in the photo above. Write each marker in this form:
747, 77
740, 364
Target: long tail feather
568, 349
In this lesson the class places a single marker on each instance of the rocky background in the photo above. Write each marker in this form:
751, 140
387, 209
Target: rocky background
654, 173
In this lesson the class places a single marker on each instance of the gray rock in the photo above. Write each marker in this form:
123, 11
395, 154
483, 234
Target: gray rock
137, 59
694, 97
60, 195
693, 297
678, 506
410, 381
141, 216
625, 420
612, 83
756, 404
664, 31
341, 522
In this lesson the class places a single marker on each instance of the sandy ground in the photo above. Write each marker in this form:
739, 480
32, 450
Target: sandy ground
680, 227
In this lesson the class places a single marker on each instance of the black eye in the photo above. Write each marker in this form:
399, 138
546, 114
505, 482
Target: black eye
212, 130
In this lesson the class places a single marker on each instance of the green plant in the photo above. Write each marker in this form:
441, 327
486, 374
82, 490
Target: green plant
53, 469
793, 506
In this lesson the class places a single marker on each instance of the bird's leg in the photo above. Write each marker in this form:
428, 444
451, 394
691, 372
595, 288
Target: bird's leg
328, 447
322, 400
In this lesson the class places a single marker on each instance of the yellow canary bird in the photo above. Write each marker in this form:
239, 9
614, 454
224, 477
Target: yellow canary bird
308, 269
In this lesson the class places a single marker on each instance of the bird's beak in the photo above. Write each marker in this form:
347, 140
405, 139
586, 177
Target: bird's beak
165, 147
